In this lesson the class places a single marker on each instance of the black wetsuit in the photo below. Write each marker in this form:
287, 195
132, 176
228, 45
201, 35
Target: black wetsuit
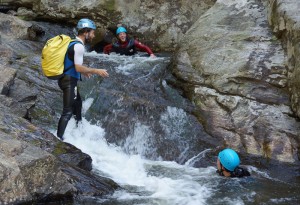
127, 50
237, 172
240, 172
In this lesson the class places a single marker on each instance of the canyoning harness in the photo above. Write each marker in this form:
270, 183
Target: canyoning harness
128, 50
69, 61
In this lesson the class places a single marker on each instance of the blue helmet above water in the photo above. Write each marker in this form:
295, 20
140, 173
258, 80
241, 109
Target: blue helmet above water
229, 159
121, 30
86, 23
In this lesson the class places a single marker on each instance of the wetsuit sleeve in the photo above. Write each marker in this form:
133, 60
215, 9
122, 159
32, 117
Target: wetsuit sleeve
107, 49
78, 53
142, 47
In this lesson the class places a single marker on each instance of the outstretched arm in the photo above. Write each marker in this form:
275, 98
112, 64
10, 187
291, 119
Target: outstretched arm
143, 47
107, 49
78, 61
90, 71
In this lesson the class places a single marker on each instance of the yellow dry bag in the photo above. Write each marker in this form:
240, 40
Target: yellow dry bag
53, 56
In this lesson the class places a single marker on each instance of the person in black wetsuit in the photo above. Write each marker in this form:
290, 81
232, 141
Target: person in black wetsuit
72, 103
228, 164
126, 46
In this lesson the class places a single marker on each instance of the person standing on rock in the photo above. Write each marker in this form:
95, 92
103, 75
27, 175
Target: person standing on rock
228, 164
72, 103
126, 46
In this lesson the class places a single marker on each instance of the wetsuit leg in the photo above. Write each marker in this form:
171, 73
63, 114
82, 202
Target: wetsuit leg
68, 85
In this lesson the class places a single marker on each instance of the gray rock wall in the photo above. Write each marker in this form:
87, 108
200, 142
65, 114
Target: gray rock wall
160, 24
34, 164
235, 71
284, 19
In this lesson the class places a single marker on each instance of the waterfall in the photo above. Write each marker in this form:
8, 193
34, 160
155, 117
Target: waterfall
161, 182
143, 138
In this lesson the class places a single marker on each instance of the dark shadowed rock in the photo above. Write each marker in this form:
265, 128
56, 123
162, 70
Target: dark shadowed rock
35, 166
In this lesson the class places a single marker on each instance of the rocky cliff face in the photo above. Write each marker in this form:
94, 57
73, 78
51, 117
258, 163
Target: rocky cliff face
284, 19
159, 24
235, 71
243, 79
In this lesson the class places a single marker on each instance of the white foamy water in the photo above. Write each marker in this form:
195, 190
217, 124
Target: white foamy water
147, 182
165, 182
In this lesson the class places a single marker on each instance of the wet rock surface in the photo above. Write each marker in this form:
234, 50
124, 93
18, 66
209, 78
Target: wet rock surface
237, 76
284, 20
35, 165
158, 24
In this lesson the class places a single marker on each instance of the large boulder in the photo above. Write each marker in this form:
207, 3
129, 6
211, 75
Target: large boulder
234, 69
36, 166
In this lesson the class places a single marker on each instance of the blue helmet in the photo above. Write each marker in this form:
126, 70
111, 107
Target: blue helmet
121, 30
86, 23
229, 159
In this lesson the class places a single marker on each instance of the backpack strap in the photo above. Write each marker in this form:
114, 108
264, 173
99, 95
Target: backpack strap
73, 42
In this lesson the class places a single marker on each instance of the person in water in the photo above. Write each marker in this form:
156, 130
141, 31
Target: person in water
228, 164
72, 104
125, 45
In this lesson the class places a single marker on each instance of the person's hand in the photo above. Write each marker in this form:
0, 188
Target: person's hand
101, 72
152, 55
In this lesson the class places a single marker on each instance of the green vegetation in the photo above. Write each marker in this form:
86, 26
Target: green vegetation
109, 5
59, 149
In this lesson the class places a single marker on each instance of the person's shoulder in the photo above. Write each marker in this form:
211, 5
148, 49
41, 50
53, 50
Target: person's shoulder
79, 47
134, 40
240, 172
79, 44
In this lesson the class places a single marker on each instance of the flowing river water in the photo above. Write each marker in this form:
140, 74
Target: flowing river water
141, 133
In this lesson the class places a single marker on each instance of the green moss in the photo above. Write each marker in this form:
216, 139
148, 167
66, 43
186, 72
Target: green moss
36, 143
274, 39
25, 18
39, 113
59, 149
267, 150
109, 5
35, 67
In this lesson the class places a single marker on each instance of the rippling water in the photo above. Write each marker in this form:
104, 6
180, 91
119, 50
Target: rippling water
158, 181
168, 183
